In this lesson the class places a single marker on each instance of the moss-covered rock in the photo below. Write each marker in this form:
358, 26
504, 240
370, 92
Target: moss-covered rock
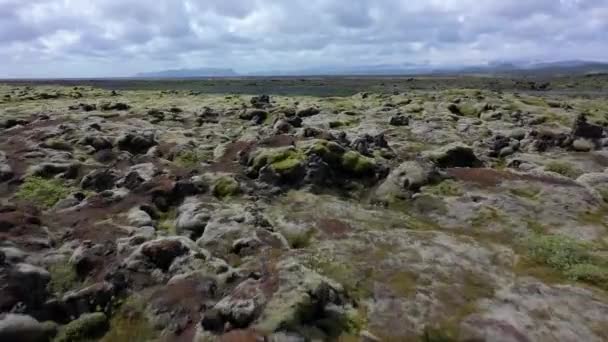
357, 164
279, 165
87, 327
226, 186
329, 151
280, 159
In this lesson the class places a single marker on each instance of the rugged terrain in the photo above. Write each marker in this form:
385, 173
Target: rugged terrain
410, 212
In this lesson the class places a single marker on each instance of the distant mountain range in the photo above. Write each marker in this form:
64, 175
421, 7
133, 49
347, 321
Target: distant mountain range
185, 73
493, 68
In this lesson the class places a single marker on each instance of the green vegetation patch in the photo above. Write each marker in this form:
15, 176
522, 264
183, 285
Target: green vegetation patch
87, 327
571, 258
192, 158
563, 168
447, 188
357, 164
43, 192
63, 278
129, 323
226, 186
282, 160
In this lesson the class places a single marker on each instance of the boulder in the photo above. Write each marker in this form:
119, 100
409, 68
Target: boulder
23, 328
99, 180
583, 145
583, 129
407, 178
49, 169
192, 218
97, 142
454, 155
399, 120
139, 218
162, 252
256, 116
136, 143
306, 112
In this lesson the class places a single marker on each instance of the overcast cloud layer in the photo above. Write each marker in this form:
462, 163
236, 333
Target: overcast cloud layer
77, 38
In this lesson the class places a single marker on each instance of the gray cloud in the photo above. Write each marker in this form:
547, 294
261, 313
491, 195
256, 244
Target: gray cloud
46, 38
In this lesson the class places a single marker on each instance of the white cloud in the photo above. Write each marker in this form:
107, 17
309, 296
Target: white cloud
122, 37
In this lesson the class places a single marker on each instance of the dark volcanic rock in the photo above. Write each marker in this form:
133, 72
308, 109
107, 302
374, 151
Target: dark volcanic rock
136, 143
162, 252
584, 129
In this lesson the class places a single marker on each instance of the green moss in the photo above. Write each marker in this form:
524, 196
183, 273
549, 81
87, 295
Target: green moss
282, 160
529, 192
343, 123
225, 187
130, 324
63, 278
193, 158
534, 101
166, 221
589, 273
565, 257
58, 144
563, 168
357, 164
485, 216
300, 239
469, 110
287, 164
447, 188
403, 283
558, 252
86, 328
357, 283
43, 192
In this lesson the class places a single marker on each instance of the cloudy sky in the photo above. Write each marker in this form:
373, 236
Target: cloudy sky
85, 38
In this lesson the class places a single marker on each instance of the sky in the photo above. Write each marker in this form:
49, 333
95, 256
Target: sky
108, 38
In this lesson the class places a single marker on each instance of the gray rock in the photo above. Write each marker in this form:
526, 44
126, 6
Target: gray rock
139, 218
97, 142
582, 145
47, 170
282, 126
192, 218
243, 305
6, 172
406, 178
23, 328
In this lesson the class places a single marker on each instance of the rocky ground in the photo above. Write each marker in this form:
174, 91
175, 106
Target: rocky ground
427, 215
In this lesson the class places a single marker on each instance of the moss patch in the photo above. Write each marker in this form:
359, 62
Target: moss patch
357, 164
552, 256
86, 328
191, 159
63, 278
563, 168
43, 192
225, 187
130, 324
447, 188
282, 160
